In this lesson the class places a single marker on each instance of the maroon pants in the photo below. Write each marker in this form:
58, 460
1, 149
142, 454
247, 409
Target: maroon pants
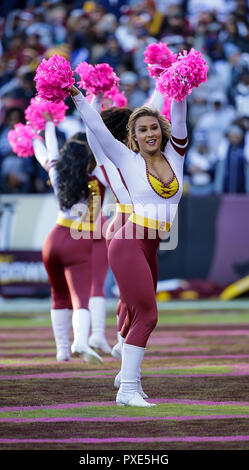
99, 261
132, 261
125, 315
99, 268
118, 222
68, 264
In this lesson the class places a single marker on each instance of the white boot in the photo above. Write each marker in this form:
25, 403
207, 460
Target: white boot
140, 389
81, 326
116, 351
61, 323
117, 380
117, 348
97, 307
117, 383
128, 395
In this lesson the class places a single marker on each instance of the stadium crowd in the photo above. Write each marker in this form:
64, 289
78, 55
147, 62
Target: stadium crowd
117, 32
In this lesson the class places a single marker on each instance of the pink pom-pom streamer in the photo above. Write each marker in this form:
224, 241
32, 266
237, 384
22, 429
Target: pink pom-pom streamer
188, 72
85, 71
116, 97
105, 79
20, 139
53, 77
97, 79
158, 57
34, 112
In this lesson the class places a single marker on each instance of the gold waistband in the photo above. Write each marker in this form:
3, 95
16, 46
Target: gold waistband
149, 223
76, 225
124, 208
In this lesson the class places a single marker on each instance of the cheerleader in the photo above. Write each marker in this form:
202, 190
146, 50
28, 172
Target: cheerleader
116, 120
152, 171
97, 302
67, 250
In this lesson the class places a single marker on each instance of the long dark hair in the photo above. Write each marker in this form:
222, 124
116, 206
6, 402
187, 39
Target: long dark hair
81, 137
72, 168
116, 120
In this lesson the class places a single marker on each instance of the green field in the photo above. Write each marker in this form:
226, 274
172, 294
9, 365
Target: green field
196, 369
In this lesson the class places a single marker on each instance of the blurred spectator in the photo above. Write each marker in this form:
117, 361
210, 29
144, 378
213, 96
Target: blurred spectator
14, 53
57, 14
235, 33
33, 41
200, 162
206, 30
145, 17
176, 29
72, 122
232, 163
113, 6
196, 7
95, 11
13, 115
240, 94
239, 63
107, 24
145, 84
127, 32
15, 175
5, 75
215, 121
243, 122
77, 37
166, 6
97, 29
129, 84
22, 87
41, 28
137, 58
216, 79
198, 106
156, 18
113, 55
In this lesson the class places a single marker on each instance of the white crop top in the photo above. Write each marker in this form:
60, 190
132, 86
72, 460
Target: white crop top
110, 171
152, 199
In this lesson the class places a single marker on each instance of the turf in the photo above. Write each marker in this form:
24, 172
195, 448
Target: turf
196, 369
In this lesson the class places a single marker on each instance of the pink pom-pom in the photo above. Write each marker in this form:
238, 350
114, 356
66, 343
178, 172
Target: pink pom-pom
85, 71
20, 139
116, 97
34, 112
105, 79
97, 79
53, 77
158, 57
189, 71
